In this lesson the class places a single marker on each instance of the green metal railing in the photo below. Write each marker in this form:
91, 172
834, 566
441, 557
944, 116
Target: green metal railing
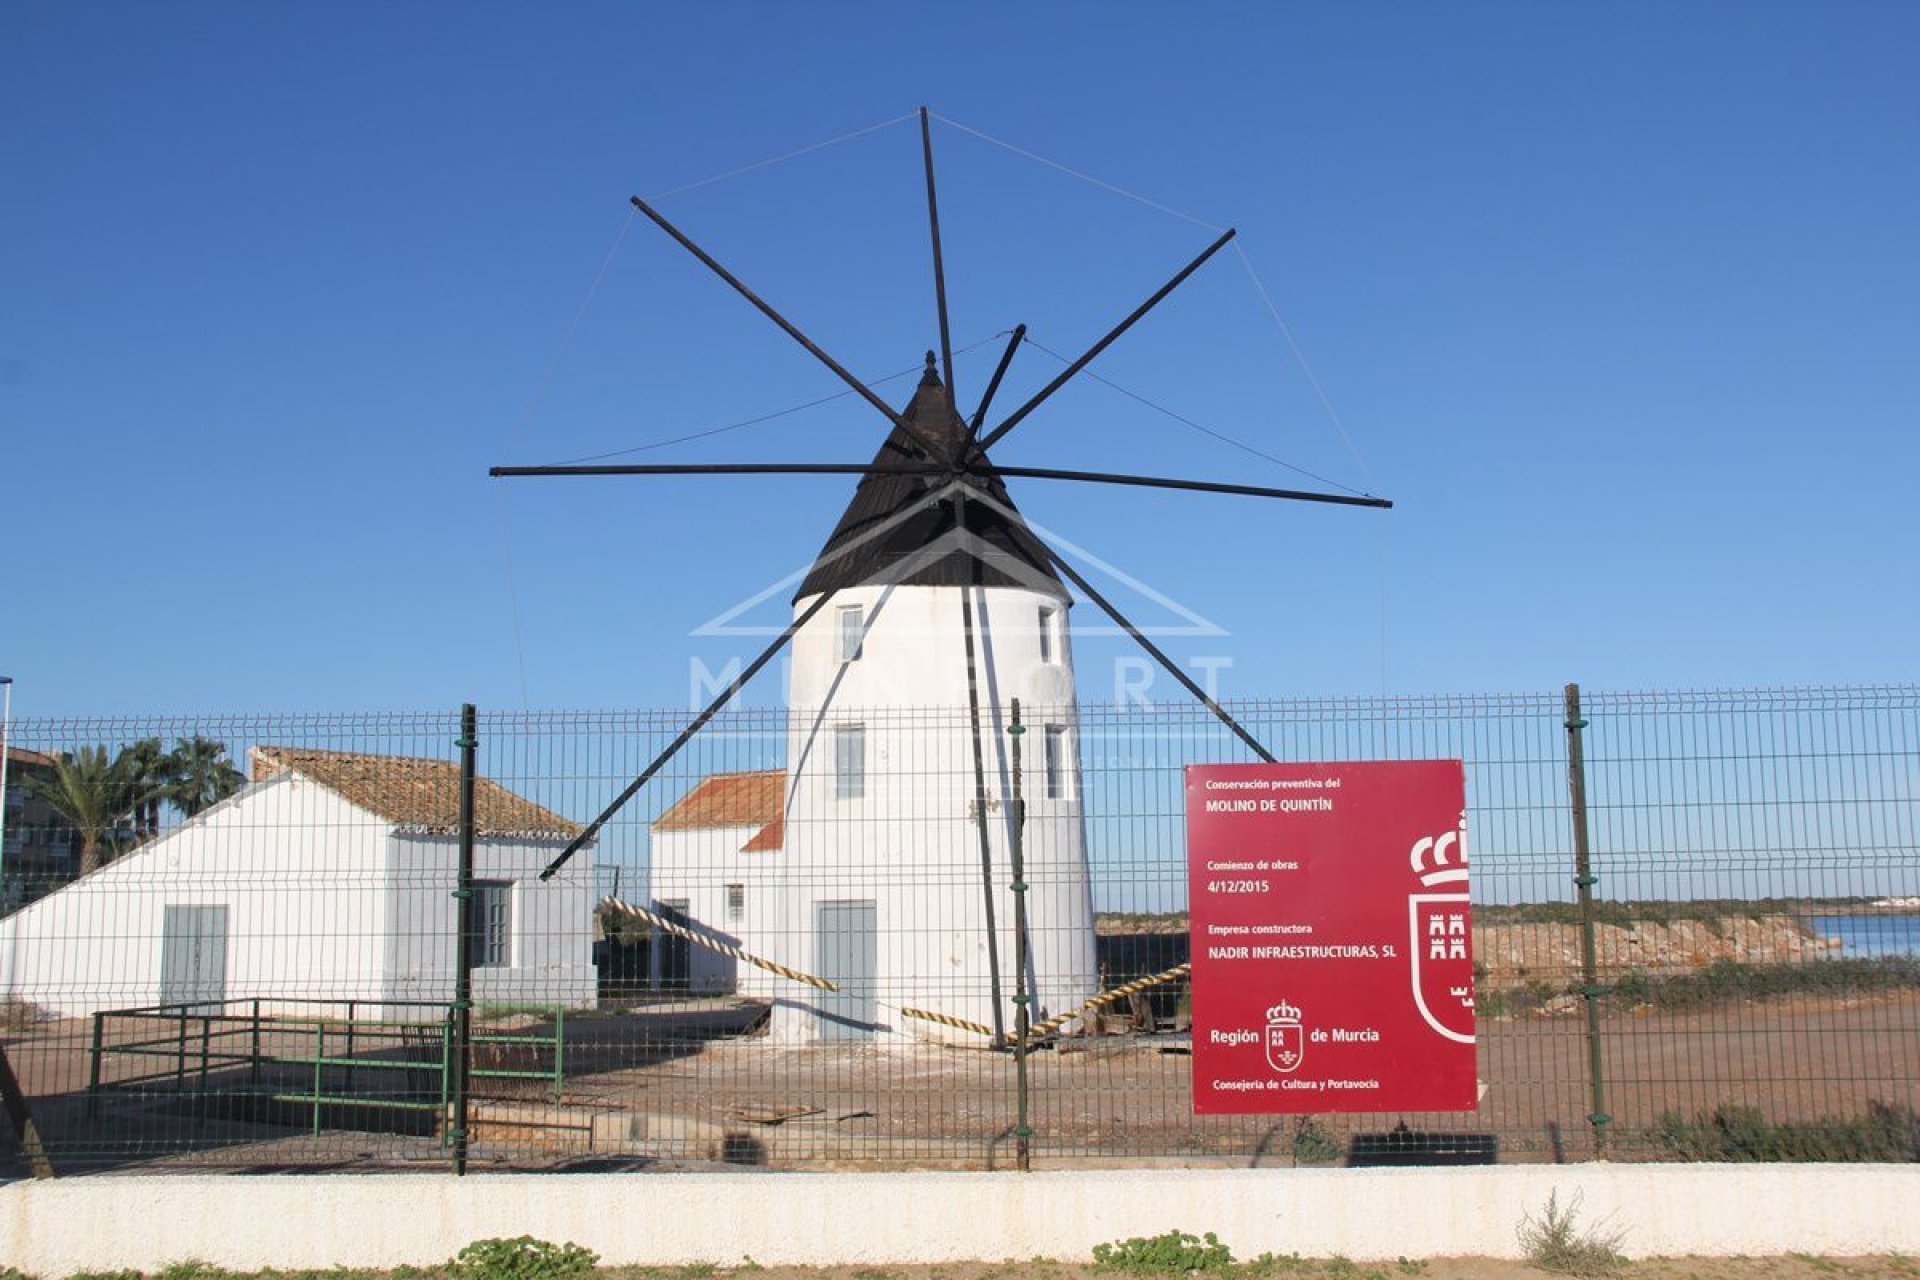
197, 1046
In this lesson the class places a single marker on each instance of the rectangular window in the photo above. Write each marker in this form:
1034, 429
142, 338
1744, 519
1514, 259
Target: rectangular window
1056, 761
849, 761
490, 924
853, 621
736, 902
1048, 647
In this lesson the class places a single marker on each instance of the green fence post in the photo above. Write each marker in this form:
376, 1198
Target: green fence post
1022, 999
1584, 880
319, 1066
93, 1068
469, 743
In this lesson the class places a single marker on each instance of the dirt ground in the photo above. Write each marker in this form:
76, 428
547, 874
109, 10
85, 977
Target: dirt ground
681, 1085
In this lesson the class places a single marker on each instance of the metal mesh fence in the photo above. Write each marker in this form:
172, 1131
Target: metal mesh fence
798, 946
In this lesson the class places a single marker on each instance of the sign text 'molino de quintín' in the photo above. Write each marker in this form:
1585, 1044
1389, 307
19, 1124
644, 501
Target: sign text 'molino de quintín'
1332, 943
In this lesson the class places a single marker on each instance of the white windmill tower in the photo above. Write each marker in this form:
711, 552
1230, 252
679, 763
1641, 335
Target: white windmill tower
897, 851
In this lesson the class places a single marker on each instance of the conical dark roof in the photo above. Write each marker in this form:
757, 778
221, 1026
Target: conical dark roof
900, 529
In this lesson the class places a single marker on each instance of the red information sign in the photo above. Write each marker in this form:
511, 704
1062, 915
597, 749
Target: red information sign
1331, 939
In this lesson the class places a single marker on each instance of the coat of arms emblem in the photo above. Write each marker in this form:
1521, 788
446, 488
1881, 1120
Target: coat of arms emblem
1440, 945
1286, 1040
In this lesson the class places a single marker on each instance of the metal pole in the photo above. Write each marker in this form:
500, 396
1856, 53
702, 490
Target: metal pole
686, 735
6, 753
980, 782
1584, 880
1022, 1000
939, 263
469, 743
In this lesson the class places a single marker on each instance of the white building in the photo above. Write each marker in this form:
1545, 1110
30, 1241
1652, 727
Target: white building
328, 878
862, 861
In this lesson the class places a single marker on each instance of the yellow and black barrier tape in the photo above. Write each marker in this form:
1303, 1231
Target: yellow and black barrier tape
1108, 997
665, 925
947, 1020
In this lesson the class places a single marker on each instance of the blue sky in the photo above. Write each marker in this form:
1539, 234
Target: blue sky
1619, 304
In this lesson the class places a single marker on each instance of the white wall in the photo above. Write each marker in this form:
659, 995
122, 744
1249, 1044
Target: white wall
322, 902
551, 922
696, 866
911, 844
384, 1220
298, 869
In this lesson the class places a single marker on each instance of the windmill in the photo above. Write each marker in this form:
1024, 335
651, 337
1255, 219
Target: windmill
932, 531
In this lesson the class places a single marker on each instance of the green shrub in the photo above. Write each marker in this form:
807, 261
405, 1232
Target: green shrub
522, 1258
1174, 1253
1312, 1144
1735, 1134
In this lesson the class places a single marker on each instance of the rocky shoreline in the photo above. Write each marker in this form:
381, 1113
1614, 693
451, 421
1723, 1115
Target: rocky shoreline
1508, 955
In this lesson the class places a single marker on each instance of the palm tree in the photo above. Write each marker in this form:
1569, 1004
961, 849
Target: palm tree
199, 774
145, 765
93, 793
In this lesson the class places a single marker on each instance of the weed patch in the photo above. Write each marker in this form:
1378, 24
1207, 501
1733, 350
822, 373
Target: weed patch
1555, 1241
1174, 1253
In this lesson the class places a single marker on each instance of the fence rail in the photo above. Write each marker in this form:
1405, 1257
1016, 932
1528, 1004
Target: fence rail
1714, 952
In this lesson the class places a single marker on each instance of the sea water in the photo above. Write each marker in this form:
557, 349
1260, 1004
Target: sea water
1864, 937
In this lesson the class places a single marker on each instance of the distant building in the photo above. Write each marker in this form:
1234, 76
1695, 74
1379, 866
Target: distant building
328, 878
42, 850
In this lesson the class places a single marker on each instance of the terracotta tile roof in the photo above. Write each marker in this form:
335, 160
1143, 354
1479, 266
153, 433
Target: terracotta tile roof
423, 795
21, 755
734, 800
770, 838
728, 800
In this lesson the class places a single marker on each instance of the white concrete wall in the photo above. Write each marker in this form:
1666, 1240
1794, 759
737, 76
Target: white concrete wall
911, 844
298, 869
695, 867
551, 922
53, 1228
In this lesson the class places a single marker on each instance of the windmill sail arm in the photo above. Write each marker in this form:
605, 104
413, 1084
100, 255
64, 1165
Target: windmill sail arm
787, 327
727, 469
1018, 415
1018, 336
1197, 486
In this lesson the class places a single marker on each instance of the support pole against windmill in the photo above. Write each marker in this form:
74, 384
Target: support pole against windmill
979, 774
1153, 650
659, 762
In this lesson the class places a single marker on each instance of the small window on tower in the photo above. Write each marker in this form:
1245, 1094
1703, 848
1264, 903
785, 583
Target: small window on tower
1056, 761
736, 902
849, 762
1049, 641
853, 621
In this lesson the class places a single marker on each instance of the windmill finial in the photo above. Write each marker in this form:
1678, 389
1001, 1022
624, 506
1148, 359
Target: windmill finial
932, 375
